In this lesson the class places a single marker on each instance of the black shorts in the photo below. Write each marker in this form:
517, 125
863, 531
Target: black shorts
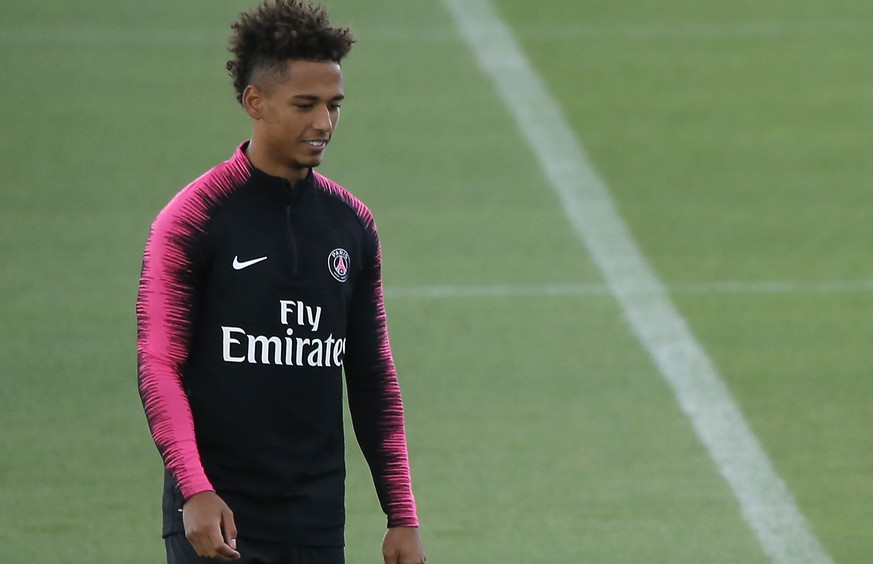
180, 551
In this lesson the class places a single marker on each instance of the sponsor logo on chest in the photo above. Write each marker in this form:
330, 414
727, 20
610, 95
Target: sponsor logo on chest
301, 345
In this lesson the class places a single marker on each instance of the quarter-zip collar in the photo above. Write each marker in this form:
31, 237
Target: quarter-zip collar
265, 178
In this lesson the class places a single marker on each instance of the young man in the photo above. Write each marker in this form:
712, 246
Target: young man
261, 284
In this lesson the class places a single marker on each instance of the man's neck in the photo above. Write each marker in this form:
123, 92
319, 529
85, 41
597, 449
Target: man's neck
264, 163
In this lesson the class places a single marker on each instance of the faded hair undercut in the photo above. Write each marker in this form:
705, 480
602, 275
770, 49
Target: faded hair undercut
265, 38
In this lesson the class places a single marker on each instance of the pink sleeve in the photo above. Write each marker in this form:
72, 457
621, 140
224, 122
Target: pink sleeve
176, 253
165, 308
375, 401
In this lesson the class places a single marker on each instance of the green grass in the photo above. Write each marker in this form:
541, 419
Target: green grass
734, 138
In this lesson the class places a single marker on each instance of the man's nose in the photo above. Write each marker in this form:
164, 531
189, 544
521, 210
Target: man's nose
324, 119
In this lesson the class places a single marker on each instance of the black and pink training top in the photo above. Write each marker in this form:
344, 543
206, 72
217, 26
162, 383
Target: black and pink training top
255, 296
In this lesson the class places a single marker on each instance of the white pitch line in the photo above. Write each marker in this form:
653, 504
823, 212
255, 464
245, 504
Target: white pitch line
466, 291
495, 291
764, 499
91, 35
695, 31
87, 36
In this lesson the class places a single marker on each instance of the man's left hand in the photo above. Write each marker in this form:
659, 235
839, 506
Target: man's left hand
402, 545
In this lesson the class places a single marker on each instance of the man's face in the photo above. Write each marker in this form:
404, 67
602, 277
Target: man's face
295, 119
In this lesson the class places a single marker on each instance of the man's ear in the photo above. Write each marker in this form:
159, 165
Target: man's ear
253, 101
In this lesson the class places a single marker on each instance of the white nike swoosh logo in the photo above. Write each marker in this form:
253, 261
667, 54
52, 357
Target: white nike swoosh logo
237, 265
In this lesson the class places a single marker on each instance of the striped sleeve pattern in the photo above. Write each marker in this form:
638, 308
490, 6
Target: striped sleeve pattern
375, 401
173, 258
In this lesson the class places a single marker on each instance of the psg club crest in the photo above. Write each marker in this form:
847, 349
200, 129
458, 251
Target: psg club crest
338, 264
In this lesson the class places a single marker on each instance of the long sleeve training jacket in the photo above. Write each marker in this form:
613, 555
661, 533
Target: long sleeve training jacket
255, 295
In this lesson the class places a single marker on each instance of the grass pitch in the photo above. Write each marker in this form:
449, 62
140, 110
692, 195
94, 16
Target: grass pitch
734, 137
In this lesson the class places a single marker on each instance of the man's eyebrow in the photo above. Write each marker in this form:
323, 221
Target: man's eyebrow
314, 98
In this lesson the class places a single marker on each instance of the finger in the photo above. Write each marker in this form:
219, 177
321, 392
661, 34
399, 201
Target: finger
221, 549
228, 526
224, 552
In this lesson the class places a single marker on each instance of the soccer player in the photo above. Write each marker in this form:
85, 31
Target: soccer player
261, 285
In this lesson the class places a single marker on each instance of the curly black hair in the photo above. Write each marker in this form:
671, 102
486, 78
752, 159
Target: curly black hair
267, 37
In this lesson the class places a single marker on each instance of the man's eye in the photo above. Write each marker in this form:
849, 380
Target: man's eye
303, 106
335, 106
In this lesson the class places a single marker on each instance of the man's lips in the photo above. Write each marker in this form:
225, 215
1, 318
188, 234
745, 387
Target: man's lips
317, 143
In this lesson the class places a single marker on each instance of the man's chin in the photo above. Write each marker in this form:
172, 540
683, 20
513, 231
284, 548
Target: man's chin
310, 162
304, 165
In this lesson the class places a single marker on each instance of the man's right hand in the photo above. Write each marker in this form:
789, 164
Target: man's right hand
209, 526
